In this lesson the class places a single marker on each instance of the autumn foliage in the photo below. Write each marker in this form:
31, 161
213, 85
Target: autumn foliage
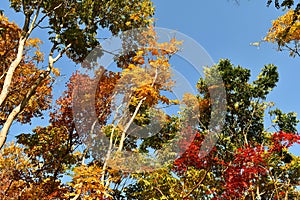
109, 136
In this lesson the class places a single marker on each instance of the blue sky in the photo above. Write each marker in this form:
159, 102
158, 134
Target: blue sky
225, 30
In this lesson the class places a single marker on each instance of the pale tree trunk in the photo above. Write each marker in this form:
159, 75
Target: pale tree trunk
12, 116
9, 76
13, 66
123, 136
27, 30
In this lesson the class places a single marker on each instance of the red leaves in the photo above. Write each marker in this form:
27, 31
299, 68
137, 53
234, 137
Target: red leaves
192, 155
243, 171
282, 140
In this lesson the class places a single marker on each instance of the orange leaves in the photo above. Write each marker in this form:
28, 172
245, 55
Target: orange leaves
34, 42
25, 75
154, 52
148, 92
135, 17
19, 177
9, 36
56, 71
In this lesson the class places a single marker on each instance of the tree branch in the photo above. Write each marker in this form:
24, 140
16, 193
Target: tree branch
8, 78
160, 192
134, 115
19, 108
197, 185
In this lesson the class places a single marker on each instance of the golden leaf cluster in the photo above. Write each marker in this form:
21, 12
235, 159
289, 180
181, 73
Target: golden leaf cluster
285, 29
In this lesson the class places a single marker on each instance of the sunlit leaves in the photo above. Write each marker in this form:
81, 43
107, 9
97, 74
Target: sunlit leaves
246, 162
87, 183
285, 32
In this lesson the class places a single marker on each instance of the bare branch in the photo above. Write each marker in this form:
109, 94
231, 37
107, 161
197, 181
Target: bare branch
293, 50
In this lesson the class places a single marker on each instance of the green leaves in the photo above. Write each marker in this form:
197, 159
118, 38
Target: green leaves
266, 81
286, 122
77, 22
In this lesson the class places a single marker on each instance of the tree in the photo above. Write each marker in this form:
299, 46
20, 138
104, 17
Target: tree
285, 32
284, 3
26, 81
72, 28
109, 154
53, 150
248, 162
285, 29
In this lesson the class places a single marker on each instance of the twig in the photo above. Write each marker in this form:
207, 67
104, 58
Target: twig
197, 185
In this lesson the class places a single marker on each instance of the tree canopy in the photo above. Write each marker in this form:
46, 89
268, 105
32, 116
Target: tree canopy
107, 136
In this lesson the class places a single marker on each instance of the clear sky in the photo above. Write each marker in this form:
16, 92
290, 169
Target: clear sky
226, 30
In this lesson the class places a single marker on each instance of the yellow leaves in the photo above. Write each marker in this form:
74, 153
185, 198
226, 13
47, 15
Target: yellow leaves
174, 41
55, 71
9, 36
12, 157
139, 53
20, 176
34, 42
138, 58
128, 23
160, 63
8, 27
87, 181
168, 101
166, 63
285, 29
149, 70
39, 56
135, 17
147, 91
3, 18
131, 66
